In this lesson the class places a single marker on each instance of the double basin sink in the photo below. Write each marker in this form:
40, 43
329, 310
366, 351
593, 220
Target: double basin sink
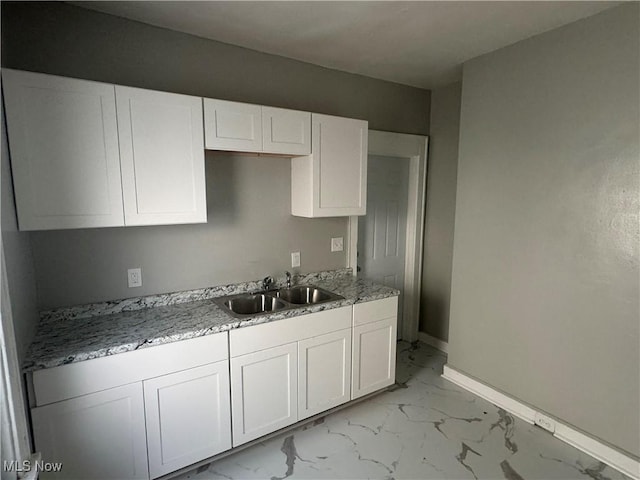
270, 301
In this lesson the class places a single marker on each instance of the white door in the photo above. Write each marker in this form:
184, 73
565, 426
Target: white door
264, 392
324, 372
286, 131
162, 155
188, 417
382, 232
232, 126
374, 356
63, 140
96, 436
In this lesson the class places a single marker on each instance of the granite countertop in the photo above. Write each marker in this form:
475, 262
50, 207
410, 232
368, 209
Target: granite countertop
75, 334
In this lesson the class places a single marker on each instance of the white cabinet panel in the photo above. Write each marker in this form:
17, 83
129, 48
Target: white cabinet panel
264, 388
332, 181
64, 151
162, 156
97, 436
368, 312
374, 356
232, 126
286, 131
324, 372
188, 417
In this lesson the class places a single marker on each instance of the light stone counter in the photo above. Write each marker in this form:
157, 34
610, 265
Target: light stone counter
85, 332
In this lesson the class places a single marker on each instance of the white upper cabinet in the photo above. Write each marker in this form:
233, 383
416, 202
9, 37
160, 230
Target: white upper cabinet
332, 181
162, 156
64, 151
286, 131
232, 126
242, 127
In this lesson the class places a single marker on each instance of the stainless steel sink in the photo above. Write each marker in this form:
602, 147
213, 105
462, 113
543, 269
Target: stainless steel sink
305, 295
252, 304
244, 305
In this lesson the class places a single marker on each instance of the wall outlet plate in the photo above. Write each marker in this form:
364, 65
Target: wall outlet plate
337, 244
545, 422
295, 259
134, 276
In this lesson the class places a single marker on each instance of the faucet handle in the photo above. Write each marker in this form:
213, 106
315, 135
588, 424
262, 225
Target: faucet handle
266, 283
288, 279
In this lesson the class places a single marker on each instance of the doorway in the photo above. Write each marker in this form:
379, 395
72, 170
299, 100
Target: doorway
411, 151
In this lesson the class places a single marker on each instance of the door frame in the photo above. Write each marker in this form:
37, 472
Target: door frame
415, 149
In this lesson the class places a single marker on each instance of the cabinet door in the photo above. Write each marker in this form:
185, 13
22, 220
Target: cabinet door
63, 140
97, 436
332, 181
286, 131
188, 417
324, 372
162, 154
264, 390
374, 356
232, 126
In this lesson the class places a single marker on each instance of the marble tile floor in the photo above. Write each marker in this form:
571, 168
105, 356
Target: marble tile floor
427, 428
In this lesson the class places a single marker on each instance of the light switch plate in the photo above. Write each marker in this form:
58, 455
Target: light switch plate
337, 244
295, 259
134, 276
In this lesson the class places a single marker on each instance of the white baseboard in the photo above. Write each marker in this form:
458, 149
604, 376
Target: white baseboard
612, 457
434, 342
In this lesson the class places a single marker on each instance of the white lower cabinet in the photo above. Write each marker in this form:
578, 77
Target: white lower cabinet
188, 417
147, 413
264, 392
98, 436
374, 345
324, 372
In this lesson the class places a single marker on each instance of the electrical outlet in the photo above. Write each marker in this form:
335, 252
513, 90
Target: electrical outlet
135, 277
295, 259
545, 422
337, 244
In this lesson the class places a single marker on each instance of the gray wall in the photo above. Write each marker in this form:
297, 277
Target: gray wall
18, 258
440, 211
545, 291
250, 232
57, 38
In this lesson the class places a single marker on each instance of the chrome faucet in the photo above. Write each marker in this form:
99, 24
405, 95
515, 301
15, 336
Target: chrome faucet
266, 283
288, 279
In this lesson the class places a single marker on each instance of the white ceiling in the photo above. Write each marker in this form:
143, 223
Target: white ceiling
422, 44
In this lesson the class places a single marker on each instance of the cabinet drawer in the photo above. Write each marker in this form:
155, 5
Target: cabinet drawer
68, 381
376, 310
260, 337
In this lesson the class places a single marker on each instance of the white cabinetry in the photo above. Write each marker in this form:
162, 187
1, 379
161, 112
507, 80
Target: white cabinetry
162, 156
332, 181
64, 151
279, 372
92, 416
264, 392
286, 131
324, 372
101, 435
87, 154
243, 127
374, 345
188, 417
232, 126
